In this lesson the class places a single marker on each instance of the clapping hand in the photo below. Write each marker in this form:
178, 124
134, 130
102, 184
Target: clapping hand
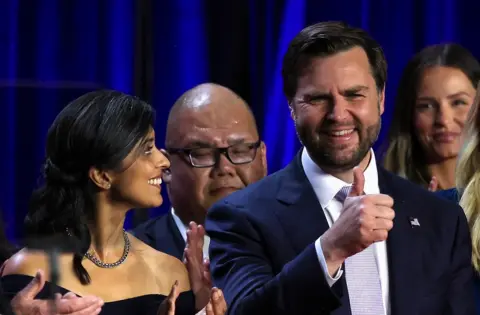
168, 305
24, 303
215, 306
198, 268
206, 297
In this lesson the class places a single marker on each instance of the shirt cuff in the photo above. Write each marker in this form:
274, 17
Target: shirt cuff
321, 258
203, 311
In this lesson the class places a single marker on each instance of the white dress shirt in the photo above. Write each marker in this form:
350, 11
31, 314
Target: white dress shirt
326, 187
183, 231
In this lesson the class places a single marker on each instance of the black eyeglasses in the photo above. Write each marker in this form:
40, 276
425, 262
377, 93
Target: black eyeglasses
241, 153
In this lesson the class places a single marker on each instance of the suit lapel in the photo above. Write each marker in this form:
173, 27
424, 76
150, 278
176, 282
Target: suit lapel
402, 249
303, 219
302, 211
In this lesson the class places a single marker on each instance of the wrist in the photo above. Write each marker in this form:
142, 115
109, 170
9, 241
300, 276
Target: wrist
334, 256
202, 298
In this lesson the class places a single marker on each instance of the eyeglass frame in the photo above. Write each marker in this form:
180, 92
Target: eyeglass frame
218, 151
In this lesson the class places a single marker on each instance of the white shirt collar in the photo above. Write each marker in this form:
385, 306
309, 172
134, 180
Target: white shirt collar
327, 186
182, 228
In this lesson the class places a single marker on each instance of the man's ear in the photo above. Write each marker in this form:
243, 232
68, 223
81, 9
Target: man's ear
292, 111
102, 179
381, 100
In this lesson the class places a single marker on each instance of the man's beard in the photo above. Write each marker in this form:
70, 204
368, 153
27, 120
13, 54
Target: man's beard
324, 156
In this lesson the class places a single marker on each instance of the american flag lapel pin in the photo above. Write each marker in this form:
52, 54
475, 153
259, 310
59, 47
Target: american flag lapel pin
414, 222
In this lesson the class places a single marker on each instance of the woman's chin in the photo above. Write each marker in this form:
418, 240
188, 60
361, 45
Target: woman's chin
157, 203
443, 154
147, 204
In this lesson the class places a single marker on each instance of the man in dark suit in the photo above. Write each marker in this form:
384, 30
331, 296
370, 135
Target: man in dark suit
333, 232
214, 149
163, 234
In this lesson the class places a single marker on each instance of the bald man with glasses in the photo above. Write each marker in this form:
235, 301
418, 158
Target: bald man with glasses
214, 149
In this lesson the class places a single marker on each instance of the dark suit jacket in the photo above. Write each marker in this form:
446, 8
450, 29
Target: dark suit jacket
263, 255
162, 234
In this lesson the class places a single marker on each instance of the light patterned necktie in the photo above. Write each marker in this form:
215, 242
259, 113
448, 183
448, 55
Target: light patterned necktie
363, 280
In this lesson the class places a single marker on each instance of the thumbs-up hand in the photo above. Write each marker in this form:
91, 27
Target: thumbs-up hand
358, 185
365, 219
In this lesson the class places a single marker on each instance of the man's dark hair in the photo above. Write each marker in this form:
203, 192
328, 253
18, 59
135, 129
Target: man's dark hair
326, 39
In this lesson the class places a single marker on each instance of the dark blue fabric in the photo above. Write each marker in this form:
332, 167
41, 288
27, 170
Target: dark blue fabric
162, 234
263, 256
476, 283
450, 194
52, 51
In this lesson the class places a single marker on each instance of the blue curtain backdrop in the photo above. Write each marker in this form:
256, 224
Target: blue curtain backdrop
52, 51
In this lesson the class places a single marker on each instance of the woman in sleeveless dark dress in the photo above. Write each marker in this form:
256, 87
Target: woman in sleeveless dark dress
101, 161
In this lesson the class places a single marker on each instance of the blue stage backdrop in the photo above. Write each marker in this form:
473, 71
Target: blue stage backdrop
52, 51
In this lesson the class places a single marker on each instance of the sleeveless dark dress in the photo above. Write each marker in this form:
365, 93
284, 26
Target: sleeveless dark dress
141, 305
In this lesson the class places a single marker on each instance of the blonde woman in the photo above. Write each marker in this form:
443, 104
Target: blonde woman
467, 191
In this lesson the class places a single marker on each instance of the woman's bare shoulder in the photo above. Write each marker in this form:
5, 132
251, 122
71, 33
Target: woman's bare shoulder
167, 268
26, 262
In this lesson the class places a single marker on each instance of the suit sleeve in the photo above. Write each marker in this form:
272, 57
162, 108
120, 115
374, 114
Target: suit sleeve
460, 294
241, 267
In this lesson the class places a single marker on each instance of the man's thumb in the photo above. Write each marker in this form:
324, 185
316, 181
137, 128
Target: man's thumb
34, 287
358, 183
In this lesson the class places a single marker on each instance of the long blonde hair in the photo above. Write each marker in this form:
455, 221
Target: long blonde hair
468, 177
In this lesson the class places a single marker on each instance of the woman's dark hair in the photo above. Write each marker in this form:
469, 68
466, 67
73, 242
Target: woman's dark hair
98, 129
403, 154
6, 249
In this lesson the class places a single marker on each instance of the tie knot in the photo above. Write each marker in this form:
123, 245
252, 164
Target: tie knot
343, 193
